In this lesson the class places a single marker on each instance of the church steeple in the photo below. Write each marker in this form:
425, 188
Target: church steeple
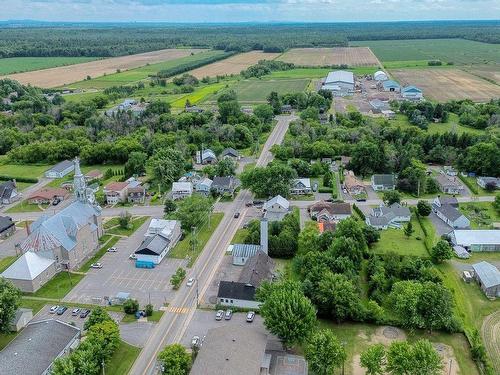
82, 193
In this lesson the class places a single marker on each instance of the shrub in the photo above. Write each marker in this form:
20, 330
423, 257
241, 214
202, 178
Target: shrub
131, 306
149, 309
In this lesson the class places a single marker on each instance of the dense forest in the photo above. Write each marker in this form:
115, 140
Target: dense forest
104, 40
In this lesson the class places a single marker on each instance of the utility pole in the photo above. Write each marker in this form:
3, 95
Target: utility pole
102, 364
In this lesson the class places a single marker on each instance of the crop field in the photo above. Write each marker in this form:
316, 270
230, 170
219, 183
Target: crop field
138, 74
447, 84
27, 64
361, 56
232, 65
257, 91
317, 72
198, 95
458, 51
63, 75
491, 336
491, 73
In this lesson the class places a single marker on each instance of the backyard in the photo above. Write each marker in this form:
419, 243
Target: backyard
482, 215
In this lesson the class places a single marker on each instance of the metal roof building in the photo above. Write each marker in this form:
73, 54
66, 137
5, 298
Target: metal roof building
488, 278
477, 240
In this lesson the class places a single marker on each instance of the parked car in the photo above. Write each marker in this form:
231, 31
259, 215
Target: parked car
75, 312
53, 309
250, 316
112, 250
228, 315
249, 204
61, 310
236, 215
55, 202
132, 256
96, 265
190, 281
84, 313
219, 315
195, 342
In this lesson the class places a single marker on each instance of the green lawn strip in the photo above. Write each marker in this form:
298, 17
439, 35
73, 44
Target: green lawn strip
113, 222
239, 236
111, 242
135, 224
24, 206
183, 248
6, 262
130, 318
395, 240
309, 197
5, 338
23, 170
26, 64
122, 360
482, 215
58, 286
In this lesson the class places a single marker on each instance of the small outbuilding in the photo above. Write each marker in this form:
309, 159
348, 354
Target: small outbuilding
412, 93
380, 76
21, 319
488, 277
391, 86
60, 169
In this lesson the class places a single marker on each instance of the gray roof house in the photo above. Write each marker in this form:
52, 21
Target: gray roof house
275, 209
488, 277
449, 213
8, 192
230, 153
181, 190
232, 350
301, 186
7, 227
384, 217
206, 156
340, 82
203, 186
381, 182
327, 211
60, 169
483, 181
449, 185
226, 184
36, 347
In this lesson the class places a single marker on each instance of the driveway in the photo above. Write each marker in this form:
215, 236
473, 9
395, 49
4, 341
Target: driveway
119, 274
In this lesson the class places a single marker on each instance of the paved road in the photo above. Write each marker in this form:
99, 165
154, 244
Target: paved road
173, 324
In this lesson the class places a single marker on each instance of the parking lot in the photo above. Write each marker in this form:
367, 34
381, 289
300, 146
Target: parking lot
119, 274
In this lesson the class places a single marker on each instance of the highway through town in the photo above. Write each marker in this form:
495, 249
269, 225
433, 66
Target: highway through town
172, 326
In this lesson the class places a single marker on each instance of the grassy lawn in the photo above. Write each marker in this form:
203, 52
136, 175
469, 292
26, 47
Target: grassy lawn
5, 338
27, 64
395, 240
240, 236
6, 262
58, 286
23, 170
24, 206
111, 242
199, 95
122, 359
479, 191
482, 215
130, 318
257, 91
136, 223
183, 248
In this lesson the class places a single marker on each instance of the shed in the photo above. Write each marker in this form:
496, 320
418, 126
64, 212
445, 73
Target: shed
60, 169
391, 86
488, 277
21, 319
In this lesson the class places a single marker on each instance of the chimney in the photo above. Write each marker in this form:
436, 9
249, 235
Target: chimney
263, 235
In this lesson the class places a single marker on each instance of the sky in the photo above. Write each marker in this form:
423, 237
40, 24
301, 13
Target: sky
248, 11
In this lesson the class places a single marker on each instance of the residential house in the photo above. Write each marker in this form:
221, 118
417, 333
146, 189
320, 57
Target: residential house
94, 174
449, 213
31, 271
326, 226
276, 208
352, 184
21, 319
486, 181
476, 240
206, 156
391, 86
301, 186
204, 186
128, 105
380, 76
340, 83
412, 93
488, 277
286, 109
136, 194
378, 105
225, 185
181, 190
116, 192
60, 169
230, 153
47, 195
393, 216
383, 182
8, 192
330, 212
7, 227
37, 346
450, 171
161, 237
449, 185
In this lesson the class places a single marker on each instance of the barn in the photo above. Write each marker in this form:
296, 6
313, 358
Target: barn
340, 83
380, 76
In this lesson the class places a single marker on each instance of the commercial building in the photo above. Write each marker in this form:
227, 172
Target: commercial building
161, 237
31, 271
276, 208
340, 83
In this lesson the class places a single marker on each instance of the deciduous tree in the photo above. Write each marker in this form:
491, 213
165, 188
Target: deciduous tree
175, 360
441, 252
324, 352
10, 297
373, 359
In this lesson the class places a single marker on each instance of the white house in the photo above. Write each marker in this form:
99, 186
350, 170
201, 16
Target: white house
161, 237
447, 210
340, 82
301, 186
203, 186
384, 217
181, 190
276, 208
60, 169
412, 93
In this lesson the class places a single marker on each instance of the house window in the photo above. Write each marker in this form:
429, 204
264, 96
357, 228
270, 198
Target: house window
231, 301
227, 301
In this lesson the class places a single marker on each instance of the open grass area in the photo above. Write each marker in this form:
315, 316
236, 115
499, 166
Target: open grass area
482, 215
239, 236
458, 51
257, 91
6, 262
183, 248
135, 224
396, 241
312, 73
24, 206
58, 286
199, 95
23, 170
122, 360
27, 64
111, 242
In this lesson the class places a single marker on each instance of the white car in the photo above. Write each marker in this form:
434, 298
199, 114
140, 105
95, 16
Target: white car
112, 250
53, 309
190, 282
132, 256
250, 316
96, 265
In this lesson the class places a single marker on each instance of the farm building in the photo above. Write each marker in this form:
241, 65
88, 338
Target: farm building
381, 182
60, 169
380, 76
391, 86
477, 240
340, 83
488, 277
412, 93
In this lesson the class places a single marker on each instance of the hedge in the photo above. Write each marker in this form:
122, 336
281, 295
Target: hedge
358, 211
18, 179
469, 184
179, 69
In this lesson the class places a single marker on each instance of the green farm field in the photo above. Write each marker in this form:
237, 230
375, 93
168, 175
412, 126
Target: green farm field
138, 74
316, 72
458, 51
256, 91
28, 64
